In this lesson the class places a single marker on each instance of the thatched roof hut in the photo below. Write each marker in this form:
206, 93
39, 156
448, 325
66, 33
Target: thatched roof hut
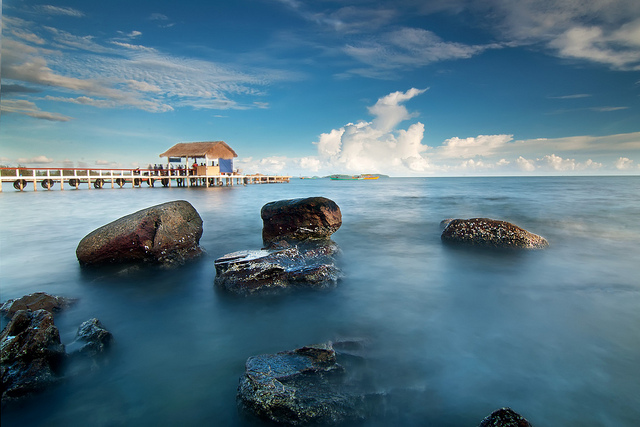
207, 150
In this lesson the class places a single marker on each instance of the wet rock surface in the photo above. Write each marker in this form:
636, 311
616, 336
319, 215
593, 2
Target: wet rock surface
278, 269
300, 219
490, 233
167, 233
92, 338
36, 301
504, 417
300, 387
32, 354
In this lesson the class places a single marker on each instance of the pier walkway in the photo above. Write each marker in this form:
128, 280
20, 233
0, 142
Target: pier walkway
92, 178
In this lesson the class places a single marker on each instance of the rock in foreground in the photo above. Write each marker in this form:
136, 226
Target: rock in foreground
36, 301
32, 354
491, 233
167, 233
270, 271
504, 417
300, 219
300, 387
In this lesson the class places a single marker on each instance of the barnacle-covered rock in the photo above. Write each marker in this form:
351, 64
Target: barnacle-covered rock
504, 417
491, 233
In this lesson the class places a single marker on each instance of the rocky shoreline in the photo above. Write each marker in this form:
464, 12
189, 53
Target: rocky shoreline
308, 385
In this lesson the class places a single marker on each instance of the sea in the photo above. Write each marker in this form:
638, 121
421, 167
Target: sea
448, 334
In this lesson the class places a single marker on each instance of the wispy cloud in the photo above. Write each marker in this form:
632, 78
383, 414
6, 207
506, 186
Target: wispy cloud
35, 160
405, 49
156, 82
28, 108
576, 96
57, 10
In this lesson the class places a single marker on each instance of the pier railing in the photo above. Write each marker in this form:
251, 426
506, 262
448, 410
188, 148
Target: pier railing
75, 178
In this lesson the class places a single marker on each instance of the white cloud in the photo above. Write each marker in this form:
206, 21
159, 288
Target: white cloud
558, 163
525, 165
378, 145
623, 163
618, 49
482, 145
36, 160
133, 46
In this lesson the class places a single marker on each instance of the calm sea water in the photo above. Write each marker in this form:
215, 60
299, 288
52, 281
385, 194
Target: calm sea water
554, 334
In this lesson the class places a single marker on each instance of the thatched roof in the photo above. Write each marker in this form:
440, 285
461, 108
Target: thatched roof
211, 150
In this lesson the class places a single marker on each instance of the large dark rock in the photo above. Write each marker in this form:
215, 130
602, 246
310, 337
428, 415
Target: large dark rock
504, 417
491, 233
300, 387
31, 355
300, 219
269, 271
36, 301
167, 233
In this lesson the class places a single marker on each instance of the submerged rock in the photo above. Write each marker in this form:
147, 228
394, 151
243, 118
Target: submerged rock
31, 355
491, 233
269, 271
300, 387
93, 338
167, 233
36, 301
300, 219
504, 417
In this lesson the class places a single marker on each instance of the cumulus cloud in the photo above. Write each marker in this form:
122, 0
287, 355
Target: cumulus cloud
623, 163
378, 145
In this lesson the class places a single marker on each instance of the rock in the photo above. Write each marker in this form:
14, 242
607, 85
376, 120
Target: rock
94, 338
36, 301
301, 387
31, 355
491, 233
269, 271
504, 417
300, 219
167, 233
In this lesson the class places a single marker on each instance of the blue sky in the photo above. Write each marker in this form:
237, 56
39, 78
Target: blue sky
403, 87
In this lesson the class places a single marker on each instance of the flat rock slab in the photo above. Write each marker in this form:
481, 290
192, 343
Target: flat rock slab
31, 355
271, 271
167, 233
490, 233
300, 219
300, 387
36, 301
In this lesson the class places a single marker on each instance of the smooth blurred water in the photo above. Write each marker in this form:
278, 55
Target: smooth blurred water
453, 333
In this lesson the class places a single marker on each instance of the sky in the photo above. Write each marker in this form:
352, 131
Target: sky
304, 88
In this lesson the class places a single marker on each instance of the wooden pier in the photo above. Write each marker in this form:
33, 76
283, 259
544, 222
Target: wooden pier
91, 178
